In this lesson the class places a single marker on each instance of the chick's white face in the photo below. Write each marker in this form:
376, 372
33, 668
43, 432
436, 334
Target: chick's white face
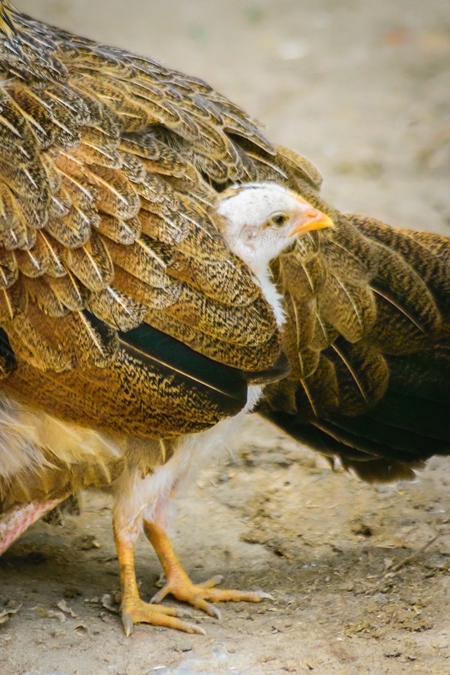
260, 220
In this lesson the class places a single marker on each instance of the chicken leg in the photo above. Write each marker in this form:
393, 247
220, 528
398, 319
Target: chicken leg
134, 609
181, 587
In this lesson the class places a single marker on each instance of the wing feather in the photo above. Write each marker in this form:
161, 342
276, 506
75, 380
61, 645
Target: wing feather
108, 227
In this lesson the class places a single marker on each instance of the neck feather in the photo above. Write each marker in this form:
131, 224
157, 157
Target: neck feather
263, 277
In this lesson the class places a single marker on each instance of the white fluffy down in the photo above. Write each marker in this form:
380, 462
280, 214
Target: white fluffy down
149, 498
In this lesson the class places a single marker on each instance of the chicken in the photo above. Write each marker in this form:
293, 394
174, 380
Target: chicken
137, 326
258, 222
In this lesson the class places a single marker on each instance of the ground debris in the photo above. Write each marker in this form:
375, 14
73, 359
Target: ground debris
7, 610
63, 606
415, 554
87, 542
50, 613
109, 602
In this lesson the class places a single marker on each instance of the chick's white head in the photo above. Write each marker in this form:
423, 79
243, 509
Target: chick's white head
260, 220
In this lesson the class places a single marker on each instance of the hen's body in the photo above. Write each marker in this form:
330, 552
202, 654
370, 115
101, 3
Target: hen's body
127, 323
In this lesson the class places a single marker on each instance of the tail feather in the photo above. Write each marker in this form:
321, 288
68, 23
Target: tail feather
371, 461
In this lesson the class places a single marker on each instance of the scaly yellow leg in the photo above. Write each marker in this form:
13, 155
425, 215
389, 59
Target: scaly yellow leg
179, 584
135, 610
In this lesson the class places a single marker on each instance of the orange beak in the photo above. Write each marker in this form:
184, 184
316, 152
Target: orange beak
310, 219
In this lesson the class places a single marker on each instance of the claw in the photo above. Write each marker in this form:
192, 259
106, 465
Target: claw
135, 610
181, 587
178, 584
128, 624
264, 596
213, 611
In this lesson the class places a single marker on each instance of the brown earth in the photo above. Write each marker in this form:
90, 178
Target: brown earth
362, 89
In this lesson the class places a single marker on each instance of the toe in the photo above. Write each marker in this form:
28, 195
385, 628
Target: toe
210, 583
138, 611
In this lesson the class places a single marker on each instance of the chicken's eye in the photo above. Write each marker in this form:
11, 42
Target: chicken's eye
278, 219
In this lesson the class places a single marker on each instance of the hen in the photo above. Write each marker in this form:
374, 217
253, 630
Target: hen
130, 331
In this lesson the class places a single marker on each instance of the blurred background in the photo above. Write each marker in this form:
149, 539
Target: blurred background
361, 88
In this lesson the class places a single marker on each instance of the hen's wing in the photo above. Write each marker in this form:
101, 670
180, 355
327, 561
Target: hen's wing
119, 301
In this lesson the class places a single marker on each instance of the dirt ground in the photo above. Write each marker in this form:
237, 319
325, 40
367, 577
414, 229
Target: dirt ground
363, 90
